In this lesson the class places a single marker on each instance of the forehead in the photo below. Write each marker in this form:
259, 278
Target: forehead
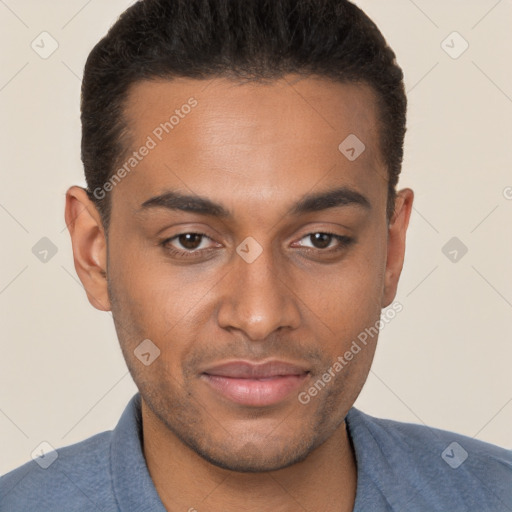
280, 137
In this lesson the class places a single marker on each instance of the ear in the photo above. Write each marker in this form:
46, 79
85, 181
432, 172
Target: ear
396, 244
89, 246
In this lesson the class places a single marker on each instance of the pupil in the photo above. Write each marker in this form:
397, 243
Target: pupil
321, 240
190, 240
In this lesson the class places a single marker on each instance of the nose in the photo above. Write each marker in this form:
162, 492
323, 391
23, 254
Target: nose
257, 298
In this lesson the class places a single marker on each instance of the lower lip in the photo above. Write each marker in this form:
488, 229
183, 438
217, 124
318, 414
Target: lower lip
256, 392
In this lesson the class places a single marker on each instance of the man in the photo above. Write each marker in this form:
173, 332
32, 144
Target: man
242, 224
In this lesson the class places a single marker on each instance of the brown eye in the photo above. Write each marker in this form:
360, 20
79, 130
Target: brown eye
325, 242
190, 241
321, 240
187, 242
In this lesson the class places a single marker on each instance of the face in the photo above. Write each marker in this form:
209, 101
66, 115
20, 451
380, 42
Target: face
252, 252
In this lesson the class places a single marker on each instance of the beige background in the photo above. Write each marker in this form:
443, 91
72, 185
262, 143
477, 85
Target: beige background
445, 360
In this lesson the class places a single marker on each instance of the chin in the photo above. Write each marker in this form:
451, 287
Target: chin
253, 460
267, 454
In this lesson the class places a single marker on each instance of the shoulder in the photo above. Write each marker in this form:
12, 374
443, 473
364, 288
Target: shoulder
76, 479
416, 434
421, 439
434, 467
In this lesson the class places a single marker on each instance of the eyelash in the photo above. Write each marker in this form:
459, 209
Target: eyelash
184, 254
344, 242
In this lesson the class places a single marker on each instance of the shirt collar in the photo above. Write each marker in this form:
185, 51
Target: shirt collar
133, 488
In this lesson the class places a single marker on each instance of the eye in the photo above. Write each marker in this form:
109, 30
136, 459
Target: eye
323, 241
200, 245
187, 242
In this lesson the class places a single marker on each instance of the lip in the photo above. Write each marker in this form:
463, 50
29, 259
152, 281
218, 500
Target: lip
255, 384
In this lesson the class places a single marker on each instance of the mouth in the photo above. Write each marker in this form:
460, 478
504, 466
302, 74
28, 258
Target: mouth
255, 384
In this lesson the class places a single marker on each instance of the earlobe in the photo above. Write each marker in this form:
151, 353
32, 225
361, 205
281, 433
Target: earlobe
396, 244
89, 246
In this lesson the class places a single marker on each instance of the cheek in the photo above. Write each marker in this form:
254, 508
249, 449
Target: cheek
170, 306
156, 293
164, 301
349, 293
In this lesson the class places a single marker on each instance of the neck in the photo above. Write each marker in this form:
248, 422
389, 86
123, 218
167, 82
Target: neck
325, 480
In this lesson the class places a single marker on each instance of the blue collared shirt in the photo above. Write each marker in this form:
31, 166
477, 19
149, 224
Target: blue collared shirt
401, 467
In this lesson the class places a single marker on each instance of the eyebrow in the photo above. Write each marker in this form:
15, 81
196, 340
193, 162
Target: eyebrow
343, 196
320, 201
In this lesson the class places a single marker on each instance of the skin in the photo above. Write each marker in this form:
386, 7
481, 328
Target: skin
256, 149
